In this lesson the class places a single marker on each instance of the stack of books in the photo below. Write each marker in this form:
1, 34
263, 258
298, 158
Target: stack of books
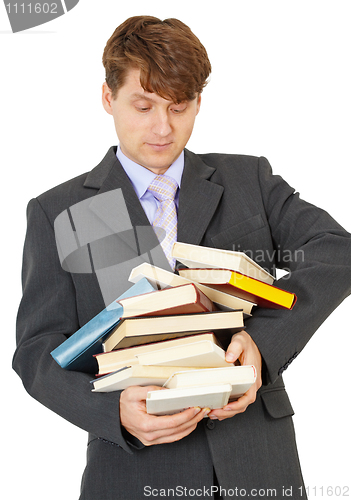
193, 368
165, 330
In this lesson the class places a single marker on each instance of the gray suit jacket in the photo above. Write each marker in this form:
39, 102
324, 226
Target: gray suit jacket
226, 201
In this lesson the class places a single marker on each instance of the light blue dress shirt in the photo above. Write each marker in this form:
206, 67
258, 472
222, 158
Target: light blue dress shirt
141, 178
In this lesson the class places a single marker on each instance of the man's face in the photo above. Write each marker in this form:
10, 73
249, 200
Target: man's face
152, 131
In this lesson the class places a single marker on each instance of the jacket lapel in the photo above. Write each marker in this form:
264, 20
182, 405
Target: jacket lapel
198, 200
108, 176
118, 206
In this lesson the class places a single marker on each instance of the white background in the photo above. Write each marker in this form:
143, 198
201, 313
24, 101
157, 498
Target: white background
280, 88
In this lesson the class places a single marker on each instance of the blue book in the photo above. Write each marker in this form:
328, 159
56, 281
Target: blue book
76, 353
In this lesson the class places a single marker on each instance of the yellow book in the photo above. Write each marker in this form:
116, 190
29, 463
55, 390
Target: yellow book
240, 285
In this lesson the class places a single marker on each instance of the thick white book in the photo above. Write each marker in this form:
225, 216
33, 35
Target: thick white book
169, 401
146, 329
195, 256
240, 378
133, 375
205, 354
114, 360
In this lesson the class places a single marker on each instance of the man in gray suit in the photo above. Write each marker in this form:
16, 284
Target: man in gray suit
155, 74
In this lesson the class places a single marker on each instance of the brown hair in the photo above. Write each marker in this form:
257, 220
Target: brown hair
172, 61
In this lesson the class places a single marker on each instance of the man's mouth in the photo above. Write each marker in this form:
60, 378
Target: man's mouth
159, 146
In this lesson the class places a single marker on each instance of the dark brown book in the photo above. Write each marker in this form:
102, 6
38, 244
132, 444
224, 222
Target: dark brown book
183, 299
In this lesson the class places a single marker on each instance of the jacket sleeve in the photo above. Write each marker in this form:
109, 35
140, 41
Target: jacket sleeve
317, 252
47, 316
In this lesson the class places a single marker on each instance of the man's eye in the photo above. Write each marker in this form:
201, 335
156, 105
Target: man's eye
179, 110
142, 110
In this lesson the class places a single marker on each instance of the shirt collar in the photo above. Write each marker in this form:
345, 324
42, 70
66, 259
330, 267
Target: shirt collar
141, 177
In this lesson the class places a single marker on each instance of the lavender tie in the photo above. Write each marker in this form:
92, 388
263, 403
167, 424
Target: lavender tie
164, 189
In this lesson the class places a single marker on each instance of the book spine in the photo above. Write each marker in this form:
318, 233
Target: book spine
202, 299
83, 338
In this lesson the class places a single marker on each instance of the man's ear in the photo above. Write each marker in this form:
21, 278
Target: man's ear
107, 98
198, 103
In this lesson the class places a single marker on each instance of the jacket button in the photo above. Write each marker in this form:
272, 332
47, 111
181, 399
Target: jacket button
210, 424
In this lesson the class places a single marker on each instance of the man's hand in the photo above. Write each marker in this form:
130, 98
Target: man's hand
244, 349
151, 429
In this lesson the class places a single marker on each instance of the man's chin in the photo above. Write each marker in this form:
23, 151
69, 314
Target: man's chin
158, 161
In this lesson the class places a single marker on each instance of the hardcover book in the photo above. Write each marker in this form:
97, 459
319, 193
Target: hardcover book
195, 256
242, 286
240, 378
114, 360
133, 375
142, 330
166, 402
203, 354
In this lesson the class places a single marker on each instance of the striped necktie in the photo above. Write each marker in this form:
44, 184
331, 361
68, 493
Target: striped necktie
164, 189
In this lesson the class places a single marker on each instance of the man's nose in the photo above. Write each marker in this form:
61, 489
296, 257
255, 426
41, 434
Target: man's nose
162, 124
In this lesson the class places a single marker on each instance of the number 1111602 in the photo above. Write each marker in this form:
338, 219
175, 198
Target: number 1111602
32, 8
